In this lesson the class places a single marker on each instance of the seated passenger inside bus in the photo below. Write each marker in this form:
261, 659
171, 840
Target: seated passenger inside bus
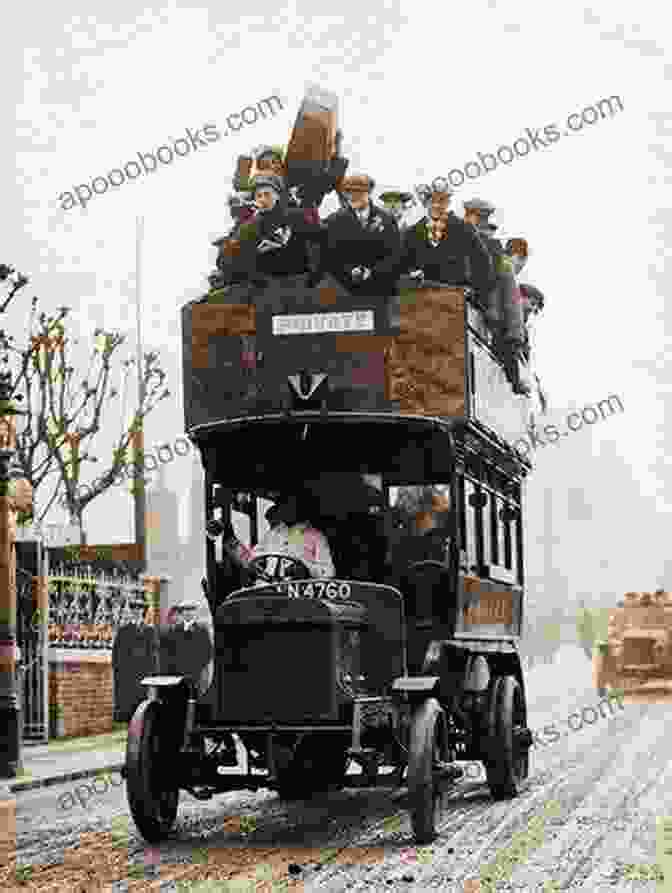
422, 528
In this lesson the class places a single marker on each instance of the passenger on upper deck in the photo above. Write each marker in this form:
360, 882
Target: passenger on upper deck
441, 247
532, 301
504, 307
397, 204
362, 242
310, 193
274, 242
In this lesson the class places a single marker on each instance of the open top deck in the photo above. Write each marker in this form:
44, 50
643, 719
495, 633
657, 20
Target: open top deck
290, 348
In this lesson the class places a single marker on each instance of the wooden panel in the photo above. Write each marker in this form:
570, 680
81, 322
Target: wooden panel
217, 319
313, 136
426, 364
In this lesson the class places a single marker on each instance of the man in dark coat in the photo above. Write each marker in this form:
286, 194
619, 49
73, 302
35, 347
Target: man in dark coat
274, 242
505, 310
363, 245
443, 248
398, 204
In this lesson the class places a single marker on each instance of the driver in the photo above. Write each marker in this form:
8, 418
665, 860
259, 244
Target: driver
291, 533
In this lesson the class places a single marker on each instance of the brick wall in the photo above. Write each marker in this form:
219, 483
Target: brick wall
80, 692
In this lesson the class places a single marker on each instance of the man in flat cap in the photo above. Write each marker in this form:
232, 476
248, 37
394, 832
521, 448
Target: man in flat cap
397, 204
363, 245
274, 241
443, 248
504, 306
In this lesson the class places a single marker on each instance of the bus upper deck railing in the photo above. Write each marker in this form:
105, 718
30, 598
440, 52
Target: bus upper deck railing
426, 351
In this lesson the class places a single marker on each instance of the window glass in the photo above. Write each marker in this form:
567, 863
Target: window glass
263, 505
423, 507
241, 527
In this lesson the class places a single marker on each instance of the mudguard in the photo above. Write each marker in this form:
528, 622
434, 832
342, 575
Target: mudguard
162, 681
415, 684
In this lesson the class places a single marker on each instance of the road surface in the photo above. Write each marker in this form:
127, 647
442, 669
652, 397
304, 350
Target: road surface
587, 813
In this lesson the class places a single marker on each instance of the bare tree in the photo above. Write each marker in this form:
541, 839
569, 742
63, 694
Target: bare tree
64, 412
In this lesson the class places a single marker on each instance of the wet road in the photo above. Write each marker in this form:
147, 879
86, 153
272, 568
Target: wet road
600, 775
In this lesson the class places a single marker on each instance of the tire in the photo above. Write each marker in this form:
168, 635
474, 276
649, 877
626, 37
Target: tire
427, 745
151, 790
507, 765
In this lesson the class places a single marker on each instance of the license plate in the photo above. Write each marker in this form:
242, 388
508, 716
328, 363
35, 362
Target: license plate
317, 589
318, 323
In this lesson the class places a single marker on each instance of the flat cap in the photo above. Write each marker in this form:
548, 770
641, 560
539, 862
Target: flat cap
357, 183
269, 181
479, 204
392, 196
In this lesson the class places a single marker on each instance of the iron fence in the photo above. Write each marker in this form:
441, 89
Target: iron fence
33, 664
87, 608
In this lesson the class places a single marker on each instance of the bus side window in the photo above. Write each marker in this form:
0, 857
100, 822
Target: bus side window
471, 520
495, 550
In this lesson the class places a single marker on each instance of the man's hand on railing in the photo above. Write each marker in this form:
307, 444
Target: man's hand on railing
417, 275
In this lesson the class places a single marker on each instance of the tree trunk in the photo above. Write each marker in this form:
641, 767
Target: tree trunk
76, 519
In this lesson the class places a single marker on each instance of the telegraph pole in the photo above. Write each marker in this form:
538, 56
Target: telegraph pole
139, 495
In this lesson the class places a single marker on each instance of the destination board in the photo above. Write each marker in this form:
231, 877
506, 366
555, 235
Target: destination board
492, 607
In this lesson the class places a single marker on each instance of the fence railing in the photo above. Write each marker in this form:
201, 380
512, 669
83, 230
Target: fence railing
86, 609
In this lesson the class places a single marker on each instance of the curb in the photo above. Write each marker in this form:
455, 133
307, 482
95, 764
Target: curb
20, 786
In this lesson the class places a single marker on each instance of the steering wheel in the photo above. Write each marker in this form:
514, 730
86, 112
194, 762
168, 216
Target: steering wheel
284, 563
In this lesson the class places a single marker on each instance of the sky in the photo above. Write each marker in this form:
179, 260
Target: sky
422, 90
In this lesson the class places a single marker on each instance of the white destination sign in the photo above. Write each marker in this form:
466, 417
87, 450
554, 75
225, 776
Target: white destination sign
315, 323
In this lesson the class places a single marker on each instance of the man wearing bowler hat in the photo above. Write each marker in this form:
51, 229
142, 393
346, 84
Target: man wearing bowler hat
362, 247
443, 248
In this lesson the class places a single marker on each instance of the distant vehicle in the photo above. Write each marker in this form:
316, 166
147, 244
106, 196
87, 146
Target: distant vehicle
638, 649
